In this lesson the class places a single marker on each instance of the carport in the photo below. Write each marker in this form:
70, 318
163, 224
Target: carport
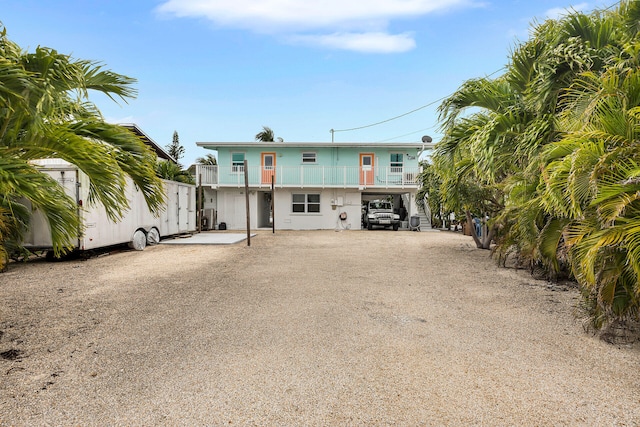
400, 203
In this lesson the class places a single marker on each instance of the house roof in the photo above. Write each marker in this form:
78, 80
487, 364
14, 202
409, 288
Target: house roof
160, 152
397, 145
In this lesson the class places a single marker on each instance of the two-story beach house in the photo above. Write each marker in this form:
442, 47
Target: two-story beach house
315, 185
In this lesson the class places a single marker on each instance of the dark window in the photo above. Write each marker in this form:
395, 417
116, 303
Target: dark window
237, 162
308, 157
396, 162
305, 203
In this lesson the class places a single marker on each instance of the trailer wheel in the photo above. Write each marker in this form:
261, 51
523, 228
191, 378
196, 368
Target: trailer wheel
153, 237
138, 241
50, 256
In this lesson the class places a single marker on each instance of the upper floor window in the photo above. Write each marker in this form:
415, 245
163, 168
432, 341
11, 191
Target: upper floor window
308, 157
237, 162
396, 162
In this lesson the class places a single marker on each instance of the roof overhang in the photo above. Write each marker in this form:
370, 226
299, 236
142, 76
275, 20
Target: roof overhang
160, 152
253, 144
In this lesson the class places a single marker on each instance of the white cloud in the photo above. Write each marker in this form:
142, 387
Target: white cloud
559, 12
302, 13
345, 24
361, 42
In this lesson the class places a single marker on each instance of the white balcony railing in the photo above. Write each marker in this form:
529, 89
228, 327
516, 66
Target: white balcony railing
308, 176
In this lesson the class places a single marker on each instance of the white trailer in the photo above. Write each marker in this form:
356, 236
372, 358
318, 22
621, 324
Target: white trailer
138, 227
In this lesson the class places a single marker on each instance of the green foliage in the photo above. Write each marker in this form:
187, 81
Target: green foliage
173, 172
430, 190
45, 113
209, 159
552, 150
266, 135
174, 149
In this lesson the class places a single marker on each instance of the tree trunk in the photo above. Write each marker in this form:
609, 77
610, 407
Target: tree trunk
473, 229
487, 235
486, 242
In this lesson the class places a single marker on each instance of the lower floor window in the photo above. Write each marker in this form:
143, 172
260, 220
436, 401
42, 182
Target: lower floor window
306, 203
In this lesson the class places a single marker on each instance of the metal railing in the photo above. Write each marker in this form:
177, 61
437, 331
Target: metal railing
308, 176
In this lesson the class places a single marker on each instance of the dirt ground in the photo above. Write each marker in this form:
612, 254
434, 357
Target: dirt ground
304, 328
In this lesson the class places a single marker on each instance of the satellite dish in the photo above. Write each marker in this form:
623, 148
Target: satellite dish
426, 138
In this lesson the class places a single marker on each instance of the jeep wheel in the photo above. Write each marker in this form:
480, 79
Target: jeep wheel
369, 226
395, 227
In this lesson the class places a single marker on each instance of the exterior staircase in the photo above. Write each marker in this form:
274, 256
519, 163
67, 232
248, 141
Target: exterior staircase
425, 219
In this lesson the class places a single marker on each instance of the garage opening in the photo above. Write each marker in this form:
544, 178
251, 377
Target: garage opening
399, 203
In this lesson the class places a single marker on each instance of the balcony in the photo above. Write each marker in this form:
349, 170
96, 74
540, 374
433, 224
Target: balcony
312, 176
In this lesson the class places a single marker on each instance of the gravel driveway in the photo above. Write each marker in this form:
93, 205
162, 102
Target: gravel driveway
304, 328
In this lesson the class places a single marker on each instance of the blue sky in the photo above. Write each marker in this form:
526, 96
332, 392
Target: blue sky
219, 70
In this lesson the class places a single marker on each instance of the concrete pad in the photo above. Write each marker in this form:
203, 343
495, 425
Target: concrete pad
207, 238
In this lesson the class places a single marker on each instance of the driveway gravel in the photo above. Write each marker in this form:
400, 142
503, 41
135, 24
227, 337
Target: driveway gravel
304, 328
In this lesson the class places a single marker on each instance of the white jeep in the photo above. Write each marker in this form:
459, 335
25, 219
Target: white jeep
380, 213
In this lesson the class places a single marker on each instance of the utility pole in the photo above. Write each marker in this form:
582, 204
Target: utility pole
246, 196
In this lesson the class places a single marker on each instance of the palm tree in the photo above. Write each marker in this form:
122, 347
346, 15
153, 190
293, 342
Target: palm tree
555, 142
209, 159
173, 172
593, 182
589, 181
266, 135
430, 185
499, 145
476, 154
45, 113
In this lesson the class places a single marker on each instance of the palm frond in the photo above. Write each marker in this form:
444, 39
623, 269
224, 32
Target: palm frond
21, 180
549, 241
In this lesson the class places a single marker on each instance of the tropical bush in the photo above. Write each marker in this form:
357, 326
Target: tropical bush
173, 172
45, 113
549, 151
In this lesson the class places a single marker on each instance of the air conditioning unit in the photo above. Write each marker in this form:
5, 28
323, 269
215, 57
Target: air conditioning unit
208, 219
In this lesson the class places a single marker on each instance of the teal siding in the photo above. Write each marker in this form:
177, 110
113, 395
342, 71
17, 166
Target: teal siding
334, 167
338, 156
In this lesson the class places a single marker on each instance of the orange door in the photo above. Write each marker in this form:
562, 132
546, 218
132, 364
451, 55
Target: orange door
268, 167
366, 169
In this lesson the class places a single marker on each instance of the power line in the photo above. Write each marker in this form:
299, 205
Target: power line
333, 131
392, 118
407, 134
612, 6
